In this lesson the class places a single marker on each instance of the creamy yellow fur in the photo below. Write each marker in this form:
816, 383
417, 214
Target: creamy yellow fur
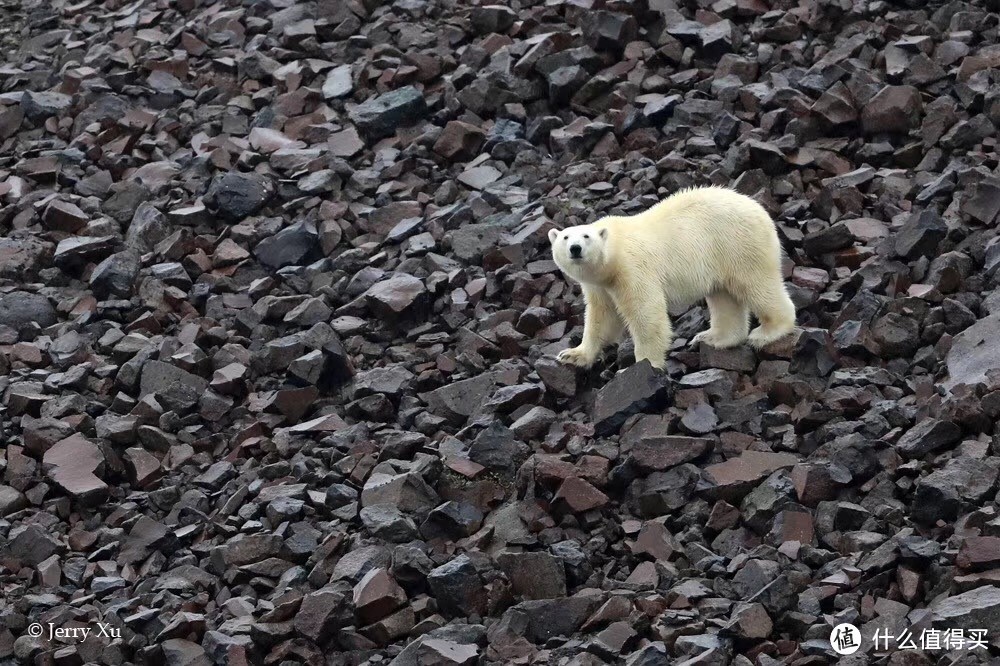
707, 243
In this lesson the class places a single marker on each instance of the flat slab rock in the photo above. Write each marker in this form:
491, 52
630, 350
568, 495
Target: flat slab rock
974, 352
736, 476
74, 464
653, 453
978, 608
159, 376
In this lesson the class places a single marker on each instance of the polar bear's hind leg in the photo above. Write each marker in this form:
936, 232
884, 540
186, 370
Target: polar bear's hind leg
775, 311
729, 322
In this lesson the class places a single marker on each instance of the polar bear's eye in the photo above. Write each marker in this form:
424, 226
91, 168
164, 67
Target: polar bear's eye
565, 237
586, 236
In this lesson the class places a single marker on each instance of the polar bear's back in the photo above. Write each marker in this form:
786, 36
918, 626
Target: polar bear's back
709, 210
701, 239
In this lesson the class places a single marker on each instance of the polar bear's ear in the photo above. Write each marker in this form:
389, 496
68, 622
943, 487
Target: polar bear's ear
553, 235
603, 233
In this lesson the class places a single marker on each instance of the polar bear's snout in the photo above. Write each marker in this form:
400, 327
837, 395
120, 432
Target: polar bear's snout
575, 251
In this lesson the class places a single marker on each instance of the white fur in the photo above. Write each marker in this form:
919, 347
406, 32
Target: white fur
707, 243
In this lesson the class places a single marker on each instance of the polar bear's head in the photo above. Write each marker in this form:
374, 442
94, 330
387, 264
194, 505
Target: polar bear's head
580, 251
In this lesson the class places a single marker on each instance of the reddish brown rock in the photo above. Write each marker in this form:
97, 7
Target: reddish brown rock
655, 540
750, 620
377, 595
459, 141
893, 109
396, 297
64, 216
979, 553
580, 496
143, 467
657, 453
76, 464
736, 476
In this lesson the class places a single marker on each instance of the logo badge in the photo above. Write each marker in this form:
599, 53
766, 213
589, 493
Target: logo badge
845, 639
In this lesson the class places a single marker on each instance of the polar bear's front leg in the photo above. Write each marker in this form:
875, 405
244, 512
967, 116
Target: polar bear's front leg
601, 326
645, 313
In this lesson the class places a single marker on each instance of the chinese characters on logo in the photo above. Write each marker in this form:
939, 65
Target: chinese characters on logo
932, 639
846, 639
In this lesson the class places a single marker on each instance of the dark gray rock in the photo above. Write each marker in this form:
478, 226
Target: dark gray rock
927, 436
234, 195
117, 275
382, 115
638, 388
171, 383
921, 234
534, 575
292, 246
458, 588
38, 106
498, 449
452, 520
22, 309
492, 18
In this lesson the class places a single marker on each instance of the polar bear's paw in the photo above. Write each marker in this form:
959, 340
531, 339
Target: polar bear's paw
717, 340
763, 336
578, 356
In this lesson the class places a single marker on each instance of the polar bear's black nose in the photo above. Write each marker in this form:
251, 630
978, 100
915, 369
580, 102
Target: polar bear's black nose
574, 251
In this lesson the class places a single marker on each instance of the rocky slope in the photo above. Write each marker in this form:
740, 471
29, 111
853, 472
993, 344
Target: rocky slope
278, 324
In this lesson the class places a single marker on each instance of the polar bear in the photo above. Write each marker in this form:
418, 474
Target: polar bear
709, 243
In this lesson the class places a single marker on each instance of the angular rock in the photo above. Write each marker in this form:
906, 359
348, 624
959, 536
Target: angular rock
76, 465
338, 82
978, 608
534, 575
292, 246
235, 195
399, 296
458, 588
171, 383
40, 105
734, 477
407, 491
382, 115
580, 496
497, 448
492, 18
459, 140
609, 30
972, 354
457, 401
979, 553
31, 545
638, 388
893, 109
321, 612
64, 216
927, 436
921, 235
116, 276
377, 595
655, 453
